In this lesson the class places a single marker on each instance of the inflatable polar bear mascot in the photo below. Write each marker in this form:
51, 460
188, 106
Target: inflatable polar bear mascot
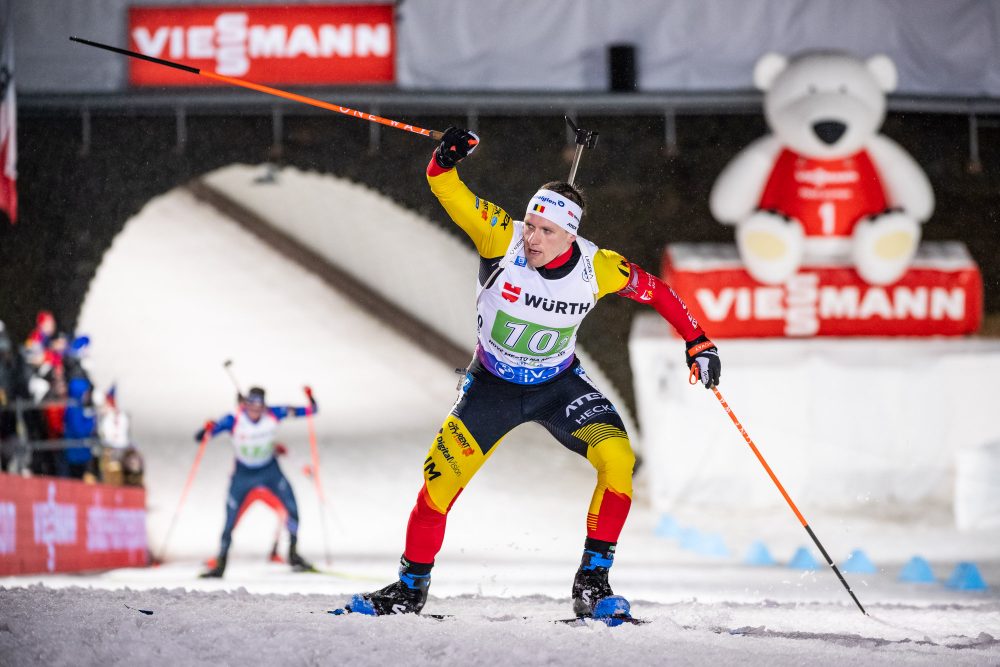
825, 185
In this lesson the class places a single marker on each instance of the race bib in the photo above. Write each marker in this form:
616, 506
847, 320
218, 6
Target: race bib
527, 338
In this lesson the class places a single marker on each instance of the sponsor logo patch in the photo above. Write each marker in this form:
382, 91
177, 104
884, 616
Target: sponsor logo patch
511, 292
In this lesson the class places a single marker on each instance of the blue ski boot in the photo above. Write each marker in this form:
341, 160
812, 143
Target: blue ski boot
406, 596
592, 594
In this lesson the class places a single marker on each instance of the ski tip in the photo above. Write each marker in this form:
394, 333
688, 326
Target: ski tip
613, 606
359, 604
338, 612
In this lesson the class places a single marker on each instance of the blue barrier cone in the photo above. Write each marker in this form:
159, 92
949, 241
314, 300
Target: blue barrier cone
966, 577
917, 571
859, 562
667, 527
713, 545
758, 554
803, 560
690, 539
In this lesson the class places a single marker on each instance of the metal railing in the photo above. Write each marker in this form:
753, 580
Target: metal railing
473, 105
166, 101
21, 447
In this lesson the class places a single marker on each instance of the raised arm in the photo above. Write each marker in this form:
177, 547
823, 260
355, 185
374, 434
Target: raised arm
282, 412
488, 225
216, 427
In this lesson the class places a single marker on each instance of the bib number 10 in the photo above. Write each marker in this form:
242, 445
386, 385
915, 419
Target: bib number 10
528, 338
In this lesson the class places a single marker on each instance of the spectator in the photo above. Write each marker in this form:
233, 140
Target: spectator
8, 394
38, 355
121, 462
6, 367
80, 423
75, 361
51, 415
40, 337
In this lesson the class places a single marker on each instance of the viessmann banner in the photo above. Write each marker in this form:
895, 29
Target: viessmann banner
271, 44
940, 295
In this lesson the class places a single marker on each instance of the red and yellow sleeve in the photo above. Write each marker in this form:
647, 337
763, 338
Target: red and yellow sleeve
617, 274
489, 226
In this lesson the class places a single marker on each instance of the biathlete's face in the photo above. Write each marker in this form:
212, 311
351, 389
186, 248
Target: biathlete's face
254, 409
544, 240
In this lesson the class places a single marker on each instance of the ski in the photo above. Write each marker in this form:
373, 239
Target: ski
610, 621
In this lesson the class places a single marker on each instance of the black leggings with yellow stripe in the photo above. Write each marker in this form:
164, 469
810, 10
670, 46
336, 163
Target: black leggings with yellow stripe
579, 416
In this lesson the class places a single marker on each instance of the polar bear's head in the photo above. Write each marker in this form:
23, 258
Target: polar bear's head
824, 105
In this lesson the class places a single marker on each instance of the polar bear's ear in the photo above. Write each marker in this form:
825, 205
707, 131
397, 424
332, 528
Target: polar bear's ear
884, 71
767, 69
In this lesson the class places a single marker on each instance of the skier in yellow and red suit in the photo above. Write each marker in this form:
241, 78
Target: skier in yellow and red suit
537, 281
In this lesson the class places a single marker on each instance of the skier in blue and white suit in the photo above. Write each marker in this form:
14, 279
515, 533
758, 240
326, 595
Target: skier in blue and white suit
253, 430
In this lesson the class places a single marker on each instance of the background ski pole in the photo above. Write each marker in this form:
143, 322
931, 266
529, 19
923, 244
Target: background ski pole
311, 101
187, 487
693, 379
227, 364
316, 473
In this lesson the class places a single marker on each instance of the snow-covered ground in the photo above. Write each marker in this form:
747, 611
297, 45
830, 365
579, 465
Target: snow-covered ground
182, 290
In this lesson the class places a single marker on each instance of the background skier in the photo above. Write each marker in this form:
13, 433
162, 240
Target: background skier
253, 430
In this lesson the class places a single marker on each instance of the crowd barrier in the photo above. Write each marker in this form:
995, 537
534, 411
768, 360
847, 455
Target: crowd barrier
59, 525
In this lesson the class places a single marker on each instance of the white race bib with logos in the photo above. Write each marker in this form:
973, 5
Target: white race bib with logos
527, 323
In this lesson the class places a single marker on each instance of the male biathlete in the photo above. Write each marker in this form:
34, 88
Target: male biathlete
537, 281
253, 430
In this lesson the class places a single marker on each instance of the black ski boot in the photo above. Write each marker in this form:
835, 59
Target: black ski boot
406, 596
592, 594
217, 571
298, 563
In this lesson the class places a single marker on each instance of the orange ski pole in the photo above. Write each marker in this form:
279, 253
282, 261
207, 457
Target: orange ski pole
693, 379
187, 487
316, 473
267, 90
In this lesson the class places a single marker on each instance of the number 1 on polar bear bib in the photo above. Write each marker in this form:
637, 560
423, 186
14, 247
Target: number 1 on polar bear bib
828, 216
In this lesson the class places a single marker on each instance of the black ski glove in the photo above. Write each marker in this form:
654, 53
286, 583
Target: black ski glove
456, 145
705, 354
200, 435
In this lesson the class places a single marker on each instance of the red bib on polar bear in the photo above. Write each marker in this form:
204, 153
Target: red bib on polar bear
827, 196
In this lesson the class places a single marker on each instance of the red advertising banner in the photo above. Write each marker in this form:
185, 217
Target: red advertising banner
59, 525
940, 295
270, 44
